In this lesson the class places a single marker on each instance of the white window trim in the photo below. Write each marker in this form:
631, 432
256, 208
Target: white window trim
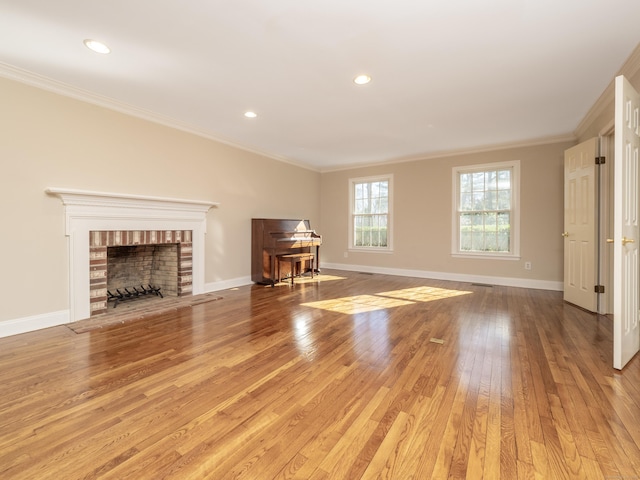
389, 247
515, 209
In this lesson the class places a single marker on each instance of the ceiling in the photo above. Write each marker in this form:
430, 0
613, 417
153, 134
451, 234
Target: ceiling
452, 75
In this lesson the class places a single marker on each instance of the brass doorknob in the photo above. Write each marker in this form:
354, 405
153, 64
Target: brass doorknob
565, 234
626, 240
610, 240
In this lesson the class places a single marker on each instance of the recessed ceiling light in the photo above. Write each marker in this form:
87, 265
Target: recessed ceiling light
96, 46
250, 114
362, 79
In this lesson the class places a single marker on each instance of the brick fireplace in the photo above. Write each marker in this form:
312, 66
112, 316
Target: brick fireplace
121, 260
95, 221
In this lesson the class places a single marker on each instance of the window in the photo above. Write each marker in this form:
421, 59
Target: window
486, 211
370, 205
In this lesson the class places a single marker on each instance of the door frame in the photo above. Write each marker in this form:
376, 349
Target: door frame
605, 219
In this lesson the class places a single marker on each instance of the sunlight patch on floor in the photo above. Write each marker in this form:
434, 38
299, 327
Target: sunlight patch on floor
357, 304
424, 294
382, 300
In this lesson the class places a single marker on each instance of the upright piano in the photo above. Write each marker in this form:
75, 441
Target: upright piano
271, 237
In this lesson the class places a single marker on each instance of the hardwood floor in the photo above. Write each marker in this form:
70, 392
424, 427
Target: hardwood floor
349, 376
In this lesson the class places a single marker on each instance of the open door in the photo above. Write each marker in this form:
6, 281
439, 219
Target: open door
580, 225
626, 332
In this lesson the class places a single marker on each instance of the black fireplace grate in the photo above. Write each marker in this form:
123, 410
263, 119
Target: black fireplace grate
132, 293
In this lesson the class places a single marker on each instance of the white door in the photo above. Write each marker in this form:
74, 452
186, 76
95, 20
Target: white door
580, 225
626, 333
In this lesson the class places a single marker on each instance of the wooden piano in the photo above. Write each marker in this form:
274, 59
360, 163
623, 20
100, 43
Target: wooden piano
271, 237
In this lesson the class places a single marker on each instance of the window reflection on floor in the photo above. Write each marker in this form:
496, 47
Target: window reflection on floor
304, 335
371, 339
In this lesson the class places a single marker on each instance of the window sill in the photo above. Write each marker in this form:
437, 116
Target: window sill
486, 256
369, 250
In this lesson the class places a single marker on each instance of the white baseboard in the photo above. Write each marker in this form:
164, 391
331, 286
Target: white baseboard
226, 284
455, 277
35, 322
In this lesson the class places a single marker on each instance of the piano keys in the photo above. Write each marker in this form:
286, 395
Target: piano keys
271, 237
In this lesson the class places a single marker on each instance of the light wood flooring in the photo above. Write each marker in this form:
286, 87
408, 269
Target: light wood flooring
347, 376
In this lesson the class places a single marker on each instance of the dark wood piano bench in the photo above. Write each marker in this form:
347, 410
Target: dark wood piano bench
296, 259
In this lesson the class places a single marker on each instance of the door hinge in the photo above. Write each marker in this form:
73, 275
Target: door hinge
599, 288
600, 160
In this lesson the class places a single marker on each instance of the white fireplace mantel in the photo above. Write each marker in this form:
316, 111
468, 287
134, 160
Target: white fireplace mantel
87, 211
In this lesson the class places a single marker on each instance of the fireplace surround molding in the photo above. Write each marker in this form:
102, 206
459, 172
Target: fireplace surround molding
87, 211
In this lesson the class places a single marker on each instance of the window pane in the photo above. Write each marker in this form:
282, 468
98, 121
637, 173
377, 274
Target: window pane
491, 201
504, 219
478, 201
504, 179
504, 200
465, 223
373, 206
466, 201
465, 241
490, 222
504, 240
465, 182
478, 181
477, 241
504, 231
366, 237
491, 242
491, 180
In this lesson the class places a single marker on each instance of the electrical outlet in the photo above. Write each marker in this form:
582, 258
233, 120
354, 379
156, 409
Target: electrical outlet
346, 254
527, 265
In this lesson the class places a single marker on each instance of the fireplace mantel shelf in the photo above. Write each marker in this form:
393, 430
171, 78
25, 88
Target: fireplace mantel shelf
108, 199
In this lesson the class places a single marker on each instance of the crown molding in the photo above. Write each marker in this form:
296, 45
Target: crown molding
569, 137
629, 69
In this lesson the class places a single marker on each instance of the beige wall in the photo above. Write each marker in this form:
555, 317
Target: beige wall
47, 140
423, 216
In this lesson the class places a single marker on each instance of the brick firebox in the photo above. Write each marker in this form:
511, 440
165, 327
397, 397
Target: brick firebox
101, 241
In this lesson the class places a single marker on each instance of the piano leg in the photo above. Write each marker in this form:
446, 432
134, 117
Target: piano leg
317, 259
272, 276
